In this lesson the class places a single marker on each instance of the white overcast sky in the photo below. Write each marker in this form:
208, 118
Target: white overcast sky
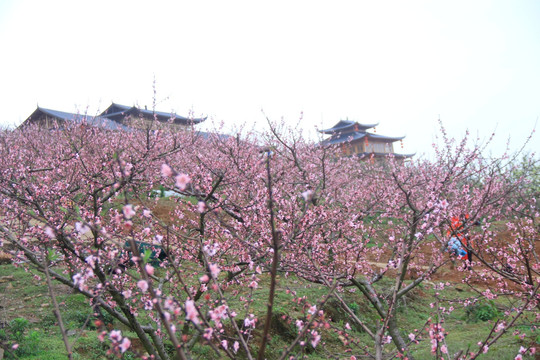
476, 64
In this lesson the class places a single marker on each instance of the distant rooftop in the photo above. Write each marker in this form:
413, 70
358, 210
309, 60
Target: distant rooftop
344, 137
347, 126
112, 118
119, 112
98, 121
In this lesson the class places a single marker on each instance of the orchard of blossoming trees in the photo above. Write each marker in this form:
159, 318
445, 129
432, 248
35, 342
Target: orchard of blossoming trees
255, 216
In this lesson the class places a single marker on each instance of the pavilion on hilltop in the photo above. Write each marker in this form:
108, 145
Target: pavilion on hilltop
354, 140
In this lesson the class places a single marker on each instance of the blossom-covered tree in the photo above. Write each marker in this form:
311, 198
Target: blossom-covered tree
80, 206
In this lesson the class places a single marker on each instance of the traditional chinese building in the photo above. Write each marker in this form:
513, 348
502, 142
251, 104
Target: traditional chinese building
49, 118
354, 139
115, 117
129, 115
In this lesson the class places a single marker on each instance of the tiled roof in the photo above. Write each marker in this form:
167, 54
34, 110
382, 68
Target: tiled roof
357, 135
376, 154
347, 125
342, 138
118, 112
98, 121
383, 137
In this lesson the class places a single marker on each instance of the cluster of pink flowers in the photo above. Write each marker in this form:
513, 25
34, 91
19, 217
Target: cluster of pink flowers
315, 338
119, 344
250, 321
191, 312
182, 181
129, 211
437, 335
143, 285
81, 228
80, 279
523, 351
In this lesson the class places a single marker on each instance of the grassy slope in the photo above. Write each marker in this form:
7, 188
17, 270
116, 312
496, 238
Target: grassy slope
27, 297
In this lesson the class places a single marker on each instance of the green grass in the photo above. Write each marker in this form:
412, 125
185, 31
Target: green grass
27, 296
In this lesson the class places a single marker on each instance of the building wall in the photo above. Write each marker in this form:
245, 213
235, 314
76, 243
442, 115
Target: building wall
379, 147
372, 146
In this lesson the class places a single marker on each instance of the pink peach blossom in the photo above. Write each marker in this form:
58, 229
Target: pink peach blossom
182, 180
166, 170
143, 285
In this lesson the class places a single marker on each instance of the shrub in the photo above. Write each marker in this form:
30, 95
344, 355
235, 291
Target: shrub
482, 311
17, 333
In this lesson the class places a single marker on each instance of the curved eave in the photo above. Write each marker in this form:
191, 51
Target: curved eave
160, 115
188, 121
382, 137
379, 155
346, 125
176, 119
344, 138
341, 138
61, 115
